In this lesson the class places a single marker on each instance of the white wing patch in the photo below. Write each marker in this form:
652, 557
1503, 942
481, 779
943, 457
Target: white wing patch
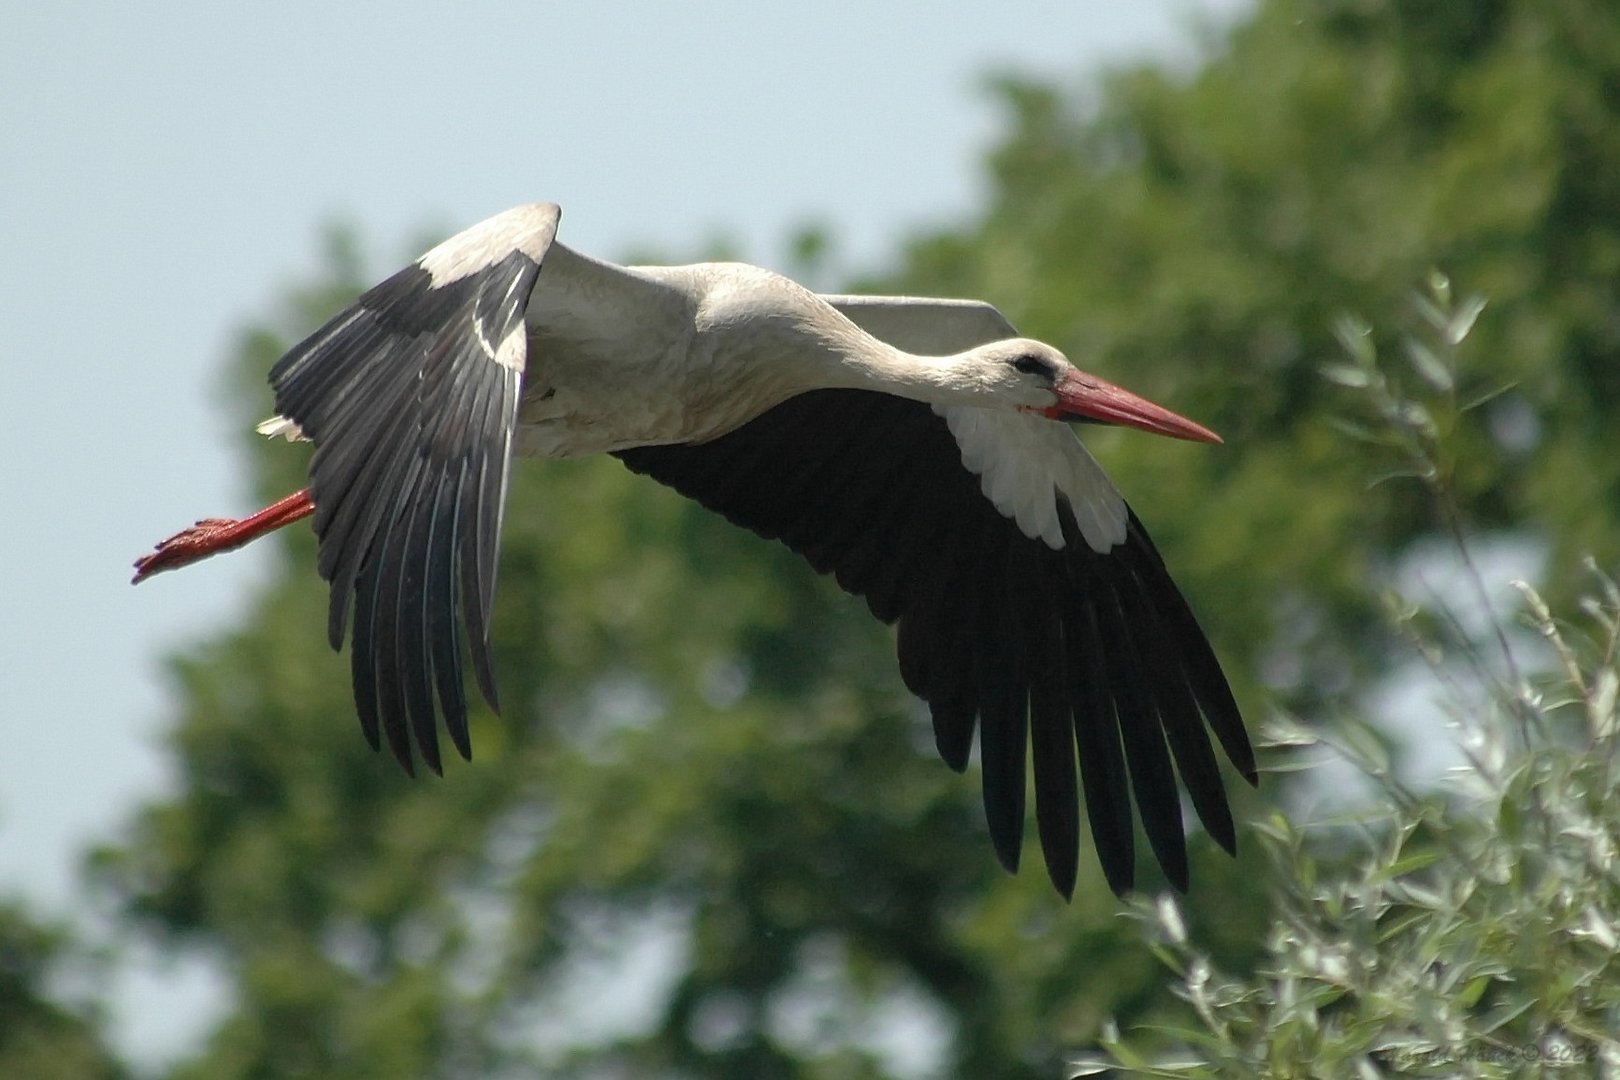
513, 350
283, 426
528, 229
1024, 461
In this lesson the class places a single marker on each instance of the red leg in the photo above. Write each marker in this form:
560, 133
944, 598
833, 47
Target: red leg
213, 535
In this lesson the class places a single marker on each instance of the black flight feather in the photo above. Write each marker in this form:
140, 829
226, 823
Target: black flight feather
413, 421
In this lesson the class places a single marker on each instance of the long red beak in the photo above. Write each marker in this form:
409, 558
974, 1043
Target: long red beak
1086, 397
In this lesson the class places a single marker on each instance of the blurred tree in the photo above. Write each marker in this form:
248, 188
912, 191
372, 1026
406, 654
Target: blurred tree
39, 1037
705, 838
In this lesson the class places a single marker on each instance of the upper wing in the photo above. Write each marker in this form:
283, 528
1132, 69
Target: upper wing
411, 398
1060, 645
923, 324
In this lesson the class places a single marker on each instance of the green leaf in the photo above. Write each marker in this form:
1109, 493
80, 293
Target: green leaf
1430, 368
1462, 320
1348, 375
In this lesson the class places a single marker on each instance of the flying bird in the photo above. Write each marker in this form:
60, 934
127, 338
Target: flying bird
916, 449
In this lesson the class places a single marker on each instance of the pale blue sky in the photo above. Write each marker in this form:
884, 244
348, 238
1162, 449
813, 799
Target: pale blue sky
165, 169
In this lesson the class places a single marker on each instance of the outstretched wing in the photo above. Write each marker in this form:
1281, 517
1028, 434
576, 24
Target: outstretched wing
944, 520
411, 397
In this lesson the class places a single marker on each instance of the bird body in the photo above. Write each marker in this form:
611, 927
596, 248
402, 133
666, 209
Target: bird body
913, 448
702, 349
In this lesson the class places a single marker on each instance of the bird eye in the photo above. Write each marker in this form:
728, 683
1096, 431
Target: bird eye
1030, 364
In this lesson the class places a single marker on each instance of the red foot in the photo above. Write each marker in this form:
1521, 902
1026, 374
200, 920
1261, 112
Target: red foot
213, 535
203, 539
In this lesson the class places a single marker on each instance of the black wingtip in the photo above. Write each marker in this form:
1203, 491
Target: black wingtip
1004, 814
1007, 841
484, 675
456, 724
1058, 825
1120, 873
953, 732
1064, 873
1203, 669
1221, 827
1002, 752
402, 754
1170, 849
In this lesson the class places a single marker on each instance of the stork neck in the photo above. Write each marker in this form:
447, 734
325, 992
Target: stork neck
868, 363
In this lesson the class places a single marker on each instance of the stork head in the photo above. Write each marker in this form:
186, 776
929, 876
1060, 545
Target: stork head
1039, 379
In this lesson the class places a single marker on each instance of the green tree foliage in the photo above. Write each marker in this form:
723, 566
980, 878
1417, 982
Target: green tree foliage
39, 1037
707, 836
1477, 931
1476, 935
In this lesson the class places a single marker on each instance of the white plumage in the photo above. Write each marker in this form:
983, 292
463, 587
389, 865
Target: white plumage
1024, 463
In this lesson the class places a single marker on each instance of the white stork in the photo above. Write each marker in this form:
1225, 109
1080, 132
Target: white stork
913, 448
